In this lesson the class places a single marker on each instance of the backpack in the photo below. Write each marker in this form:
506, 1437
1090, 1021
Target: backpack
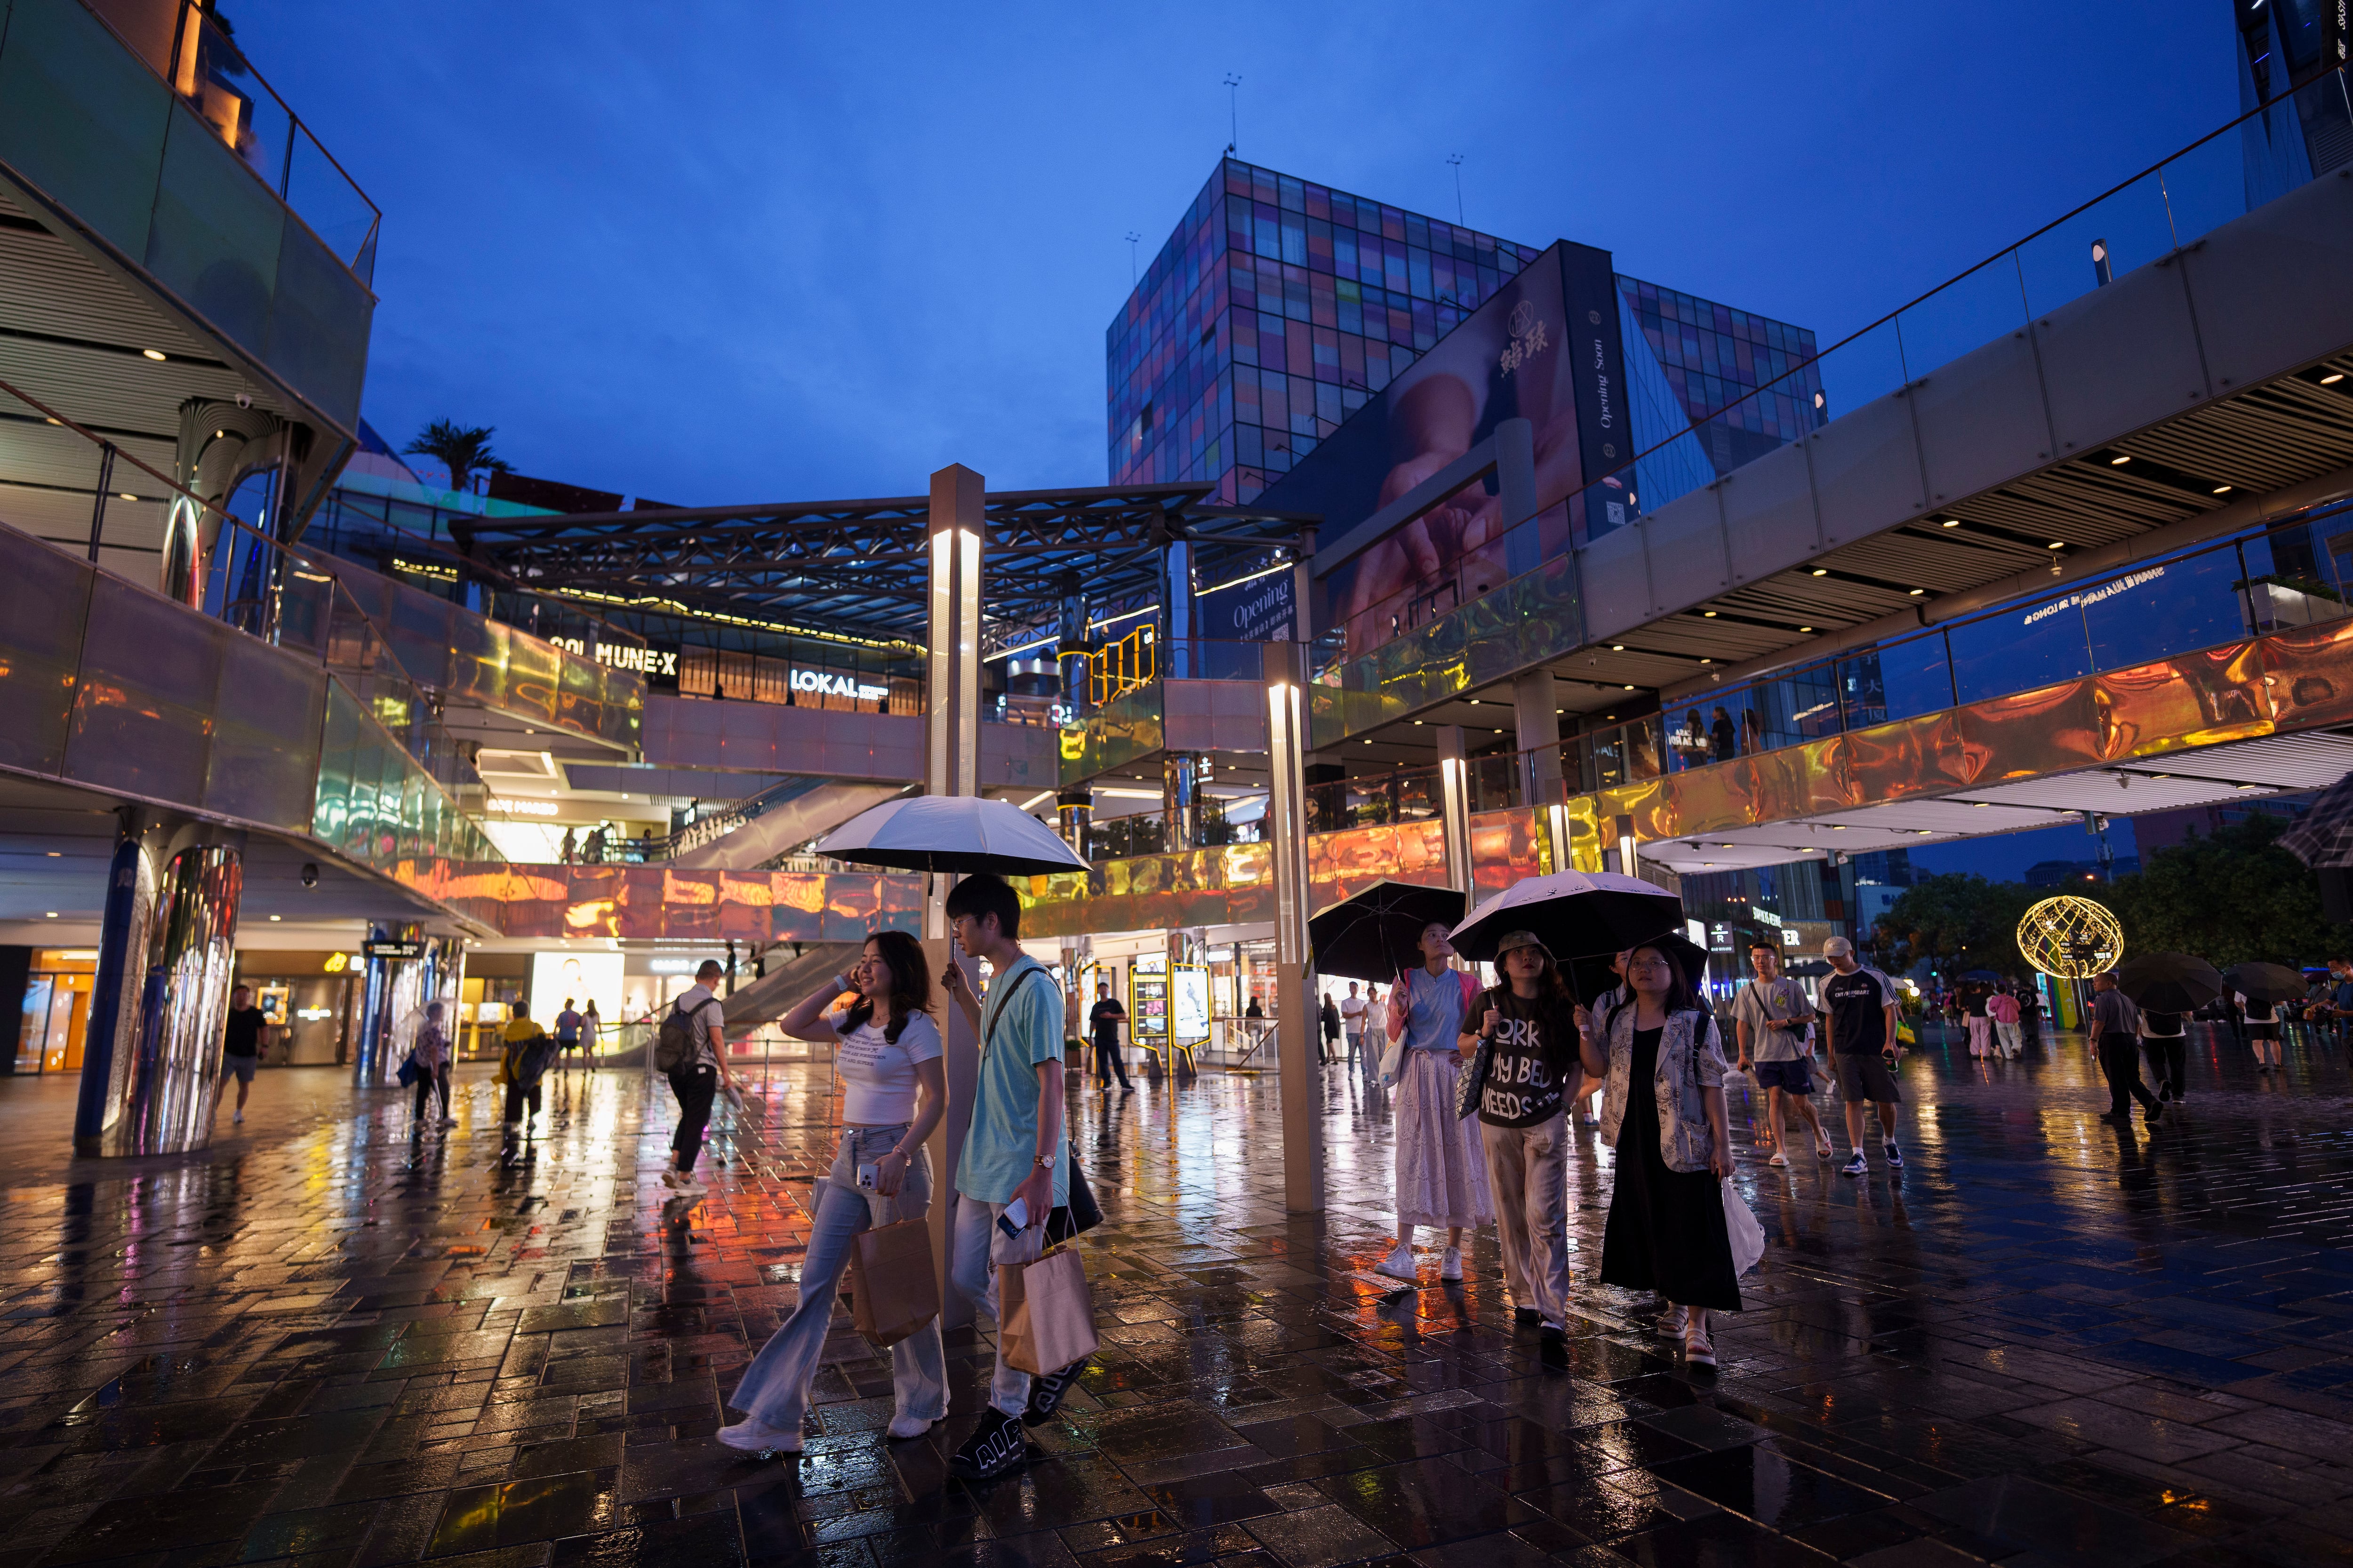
674, 1041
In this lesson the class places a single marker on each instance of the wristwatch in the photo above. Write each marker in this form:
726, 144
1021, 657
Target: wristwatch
1044, 1162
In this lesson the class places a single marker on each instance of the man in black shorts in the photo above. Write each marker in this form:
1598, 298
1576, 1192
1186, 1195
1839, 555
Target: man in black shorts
248, 1030
1859, 1018
1104, 1021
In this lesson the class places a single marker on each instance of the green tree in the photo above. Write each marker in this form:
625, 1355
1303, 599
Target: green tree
2228, 898
463, 450
1956, 921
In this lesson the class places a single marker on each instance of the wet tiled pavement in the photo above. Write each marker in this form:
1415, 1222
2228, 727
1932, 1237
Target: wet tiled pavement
2046, 1340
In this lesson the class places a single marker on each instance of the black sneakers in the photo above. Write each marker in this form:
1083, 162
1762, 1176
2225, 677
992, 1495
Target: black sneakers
996, 1447
1046, 1392
1525, 1316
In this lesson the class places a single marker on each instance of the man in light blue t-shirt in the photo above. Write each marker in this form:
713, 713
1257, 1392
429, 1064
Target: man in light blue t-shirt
1013, 1151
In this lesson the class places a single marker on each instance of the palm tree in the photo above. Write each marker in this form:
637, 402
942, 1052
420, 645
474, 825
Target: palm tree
463, 450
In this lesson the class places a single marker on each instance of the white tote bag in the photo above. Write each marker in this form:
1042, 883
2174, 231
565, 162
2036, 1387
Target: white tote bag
1748, 1235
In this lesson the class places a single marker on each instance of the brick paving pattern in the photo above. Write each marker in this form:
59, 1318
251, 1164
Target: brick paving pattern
328, 1343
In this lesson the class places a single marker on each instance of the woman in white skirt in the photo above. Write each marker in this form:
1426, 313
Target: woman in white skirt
1441, 1166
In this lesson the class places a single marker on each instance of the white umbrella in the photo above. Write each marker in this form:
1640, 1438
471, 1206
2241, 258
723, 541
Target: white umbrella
951, 833
1577, 914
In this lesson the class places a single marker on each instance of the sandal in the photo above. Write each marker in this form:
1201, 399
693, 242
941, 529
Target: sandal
1698, 1348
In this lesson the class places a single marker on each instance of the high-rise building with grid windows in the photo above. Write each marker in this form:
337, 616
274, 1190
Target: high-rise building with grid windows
1278, 307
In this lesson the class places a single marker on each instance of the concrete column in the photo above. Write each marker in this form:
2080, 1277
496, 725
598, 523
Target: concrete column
1454, 805
167, 957
957, 530
1537, 705
1298, 1073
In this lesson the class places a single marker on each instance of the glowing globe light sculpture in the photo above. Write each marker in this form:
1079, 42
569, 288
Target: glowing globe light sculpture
2070, 939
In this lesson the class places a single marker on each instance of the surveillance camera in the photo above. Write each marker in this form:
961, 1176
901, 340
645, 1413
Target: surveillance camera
310, 875
245, 400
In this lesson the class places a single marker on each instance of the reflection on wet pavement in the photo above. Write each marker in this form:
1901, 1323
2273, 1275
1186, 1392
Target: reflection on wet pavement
2047, 1339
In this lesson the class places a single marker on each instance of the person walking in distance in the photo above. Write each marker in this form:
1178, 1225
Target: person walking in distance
695, 1080
1441, 1166
1859, 1023
2263, 1029
1662, 1060
2003, 1009
1014, 1167
1329, 1016
527, 1052
432, 1056
2165, 1040
1532, 1073
1769, 1018
894, 1091
2115, 1029
567, 1035
243, 1037
1352, 1022
1973, 1002
1103, 1022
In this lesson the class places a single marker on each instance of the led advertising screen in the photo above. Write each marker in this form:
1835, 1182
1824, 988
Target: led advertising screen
1545, 348
579, 976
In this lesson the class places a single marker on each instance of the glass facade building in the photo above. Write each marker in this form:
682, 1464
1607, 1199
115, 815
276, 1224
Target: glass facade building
1278, 307
2286, 52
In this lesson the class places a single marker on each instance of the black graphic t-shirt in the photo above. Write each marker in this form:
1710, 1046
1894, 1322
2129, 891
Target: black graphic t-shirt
1535, 1047
1856, 1004
243, 1036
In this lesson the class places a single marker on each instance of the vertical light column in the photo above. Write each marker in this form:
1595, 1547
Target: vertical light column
1299, 1076
957, 529
1454, 807
110, 1036
1180, 801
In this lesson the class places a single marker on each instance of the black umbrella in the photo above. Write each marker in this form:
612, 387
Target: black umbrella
1572, 912
2168, 982
2264, 983
1590, 975
1376, 933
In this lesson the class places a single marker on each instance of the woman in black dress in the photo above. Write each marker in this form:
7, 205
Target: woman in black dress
1663, 1111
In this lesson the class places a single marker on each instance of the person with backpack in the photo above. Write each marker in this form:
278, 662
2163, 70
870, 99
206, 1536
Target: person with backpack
687, 1050
1441, 1165
894, 1091
1015, 1170
1662, 1057
528, 1051
1529, 1023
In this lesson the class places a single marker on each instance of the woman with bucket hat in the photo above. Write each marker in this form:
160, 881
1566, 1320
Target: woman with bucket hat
1528, 1025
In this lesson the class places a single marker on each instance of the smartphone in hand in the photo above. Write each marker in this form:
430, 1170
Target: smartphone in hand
1015, 1219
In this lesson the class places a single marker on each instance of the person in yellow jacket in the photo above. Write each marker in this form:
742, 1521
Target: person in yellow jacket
527, 1055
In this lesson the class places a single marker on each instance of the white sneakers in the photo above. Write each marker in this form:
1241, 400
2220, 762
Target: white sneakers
753, 1435
679, 1181
1450, 1268
237, 1115
1398, 1265
905, 1426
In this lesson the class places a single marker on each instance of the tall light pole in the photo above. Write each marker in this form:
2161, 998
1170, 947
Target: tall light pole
1132, 238
1456, 161
1233, 112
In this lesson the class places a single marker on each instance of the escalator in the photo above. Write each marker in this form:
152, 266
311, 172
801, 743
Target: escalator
756, 830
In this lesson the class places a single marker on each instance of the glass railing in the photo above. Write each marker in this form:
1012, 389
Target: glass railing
214, 79
1147, 833
2298, 575
1375, 800
2151, 215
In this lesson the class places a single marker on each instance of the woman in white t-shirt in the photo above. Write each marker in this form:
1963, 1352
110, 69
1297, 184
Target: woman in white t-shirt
893, 1092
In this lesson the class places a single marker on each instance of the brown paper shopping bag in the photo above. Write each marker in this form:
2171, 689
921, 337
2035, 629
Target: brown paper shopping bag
1047, 1313
894, 1289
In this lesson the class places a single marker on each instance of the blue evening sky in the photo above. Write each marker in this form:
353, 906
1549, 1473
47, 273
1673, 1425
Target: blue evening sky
714, 253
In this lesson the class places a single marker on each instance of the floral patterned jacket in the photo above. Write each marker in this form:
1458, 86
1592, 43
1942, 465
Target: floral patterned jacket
1691, 1058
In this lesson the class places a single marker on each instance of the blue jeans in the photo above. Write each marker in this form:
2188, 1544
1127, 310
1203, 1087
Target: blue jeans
980, 1250
775, 1385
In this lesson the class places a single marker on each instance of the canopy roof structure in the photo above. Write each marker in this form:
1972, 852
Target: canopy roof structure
863, 565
